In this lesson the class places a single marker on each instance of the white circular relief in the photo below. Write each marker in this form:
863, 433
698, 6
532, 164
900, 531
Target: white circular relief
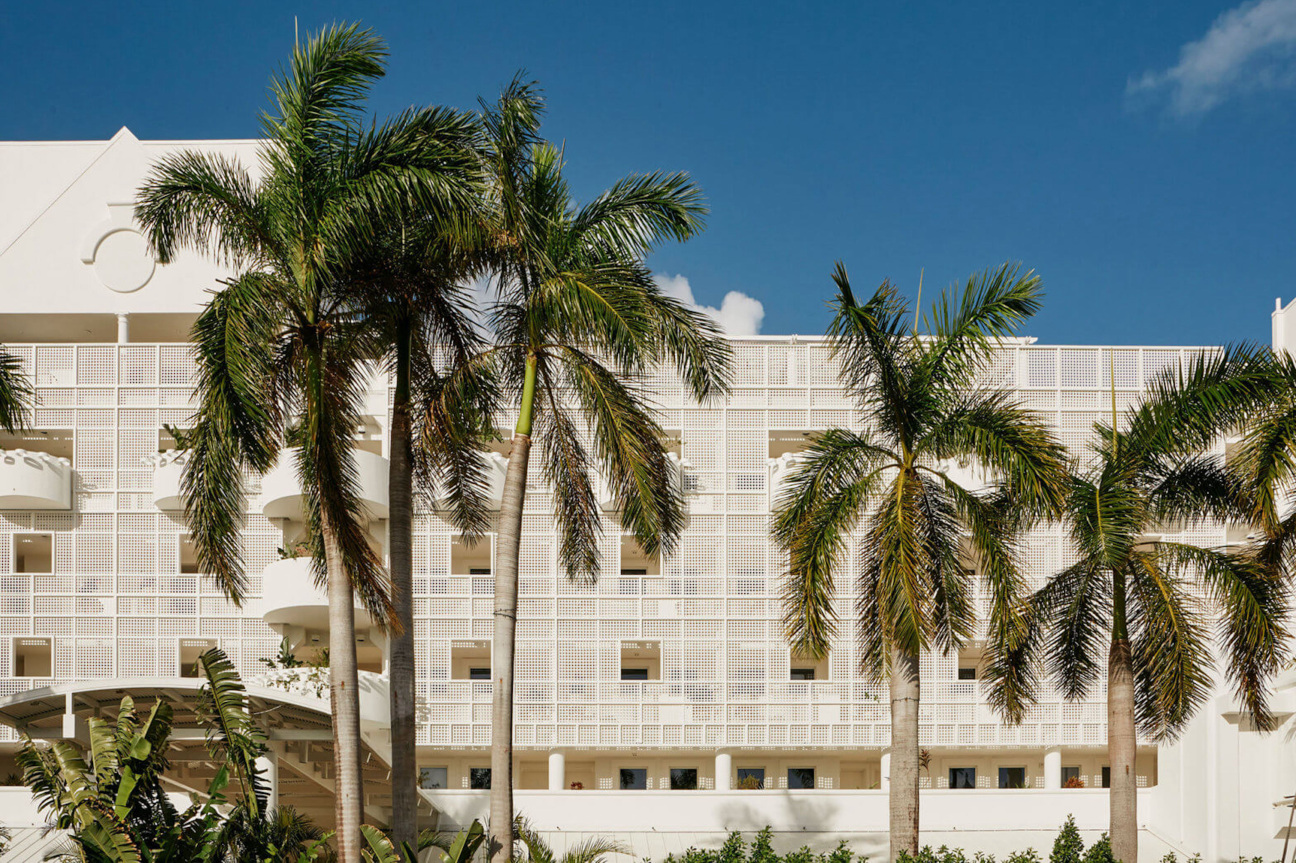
122, 261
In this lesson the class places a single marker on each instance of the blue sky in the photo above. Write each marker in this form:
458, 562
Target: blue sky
1138, 156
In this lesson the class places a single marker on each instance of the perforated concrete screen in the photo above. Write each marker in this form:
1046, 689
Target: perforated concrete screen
120, 595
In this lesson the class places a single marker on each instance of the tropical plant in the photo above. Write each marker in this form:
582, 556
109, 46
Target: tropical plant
576, 322
110, 796
458, 847
16, 395
735, 850
279, 345
1068, 847
1147, 601
531, 847
925, 408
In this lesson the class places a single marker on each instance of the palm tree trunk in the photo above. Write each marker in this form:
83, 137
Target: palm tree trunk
500, 837
904, 753
404, 764
344, 693
1121, 752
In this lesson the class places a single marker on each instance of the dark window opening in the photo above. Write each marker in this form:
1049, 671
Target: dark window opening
479, 673
479, 778
1106, 777
967, 674
683, 779
800, 777
1071, 778
751, 778
634, 779
803, 674
962, 777
634, 674
1012, 777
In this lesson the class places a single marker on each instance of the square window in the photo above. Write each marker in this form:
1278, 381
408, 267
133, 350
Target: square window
469, 657
641, 657
190, 650
634, 778
479, 673
634, 674
751, 778
803, 674
1012, 777
479, 778
33, 656
433, 777
962, 777
33, 553
683, 779
800, 777
967, 673
1071, 778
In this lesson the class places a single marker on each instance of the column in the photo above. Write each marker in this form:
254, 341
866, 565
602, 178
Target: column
1053, 768
269, 767
123, 328
557, 771
886, 770
723, 771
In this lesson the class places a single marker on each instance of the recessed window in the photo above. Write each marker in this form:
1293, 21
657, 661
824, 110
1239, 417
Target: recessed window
1012, 777
803, 674
1071, 778
33, 553
634, 778
188, 555
190, 650
479, 778
1106, 777
683, 779
970, 660
804, 667
635, 562
641, 660
466, 559
33, 656
467, 658
969, 673
962, 777
433, 777
751, 778
800, 777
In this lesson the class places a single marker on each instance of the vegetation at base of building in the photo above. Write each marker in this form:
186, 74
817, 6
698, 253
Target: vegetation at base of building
761, 850
110, 796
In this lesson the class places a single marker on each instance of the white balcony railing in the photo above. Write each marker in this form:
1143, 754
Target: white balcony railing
291, 597
496, 468
34, 480
679, 469
281, 493
313, 682
168, 471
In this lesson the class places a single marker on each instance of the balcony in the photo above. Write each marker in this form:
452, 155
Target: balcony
678, 468
168, 471
496, 468
281, 493
34, 480
291, 598
313, 682
781, 469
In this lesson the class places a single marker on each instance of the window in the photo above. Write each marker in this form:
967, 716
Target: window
479, 673
751, 778
190, 650
962, 777
433, 777
1012, 777
683, 779
803, 674
470, 558
967, 673
641, 660
188, 555
1106, 777
804, 667
969, 663
33, 657
33, 552
634, 674
634, 778
800, 777
1071, 778
479, 778
467, 658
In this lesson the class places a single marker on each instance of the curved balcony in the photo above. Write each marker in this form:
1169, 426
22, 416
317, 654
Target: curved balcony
313, 682
496, 468
781, 469
290, 597
168, 470
281, 494
34, 480
607, 500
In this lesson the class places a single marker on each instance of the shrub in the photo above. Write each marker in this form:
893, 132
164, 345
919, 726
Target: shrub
1100, 851
735, 850
1068, 847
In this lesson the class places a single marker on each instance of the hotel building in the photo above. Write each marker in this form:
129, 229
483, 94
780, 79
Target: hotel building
660, 705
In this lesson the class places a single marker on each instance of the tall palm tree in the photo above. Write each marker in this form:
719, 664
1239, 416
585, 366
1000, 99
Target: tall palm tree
1145, 600
923, 406
15, 392
577, 319
281, 343
412, 293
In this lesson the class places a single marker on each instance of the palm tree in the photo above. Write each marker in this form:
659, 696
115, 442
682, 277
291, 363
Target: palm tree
15, 392
412, 294
534, 849
576, 321
112, 800
923, 406
1147, 600
281, 343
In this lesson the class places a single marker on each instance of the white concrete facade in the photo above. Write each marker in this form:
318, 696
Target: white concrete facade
667, 673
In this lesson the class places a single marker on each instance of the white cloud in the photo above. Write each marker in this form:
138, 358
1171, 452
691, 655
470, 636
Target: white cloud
738, 315
1247, 49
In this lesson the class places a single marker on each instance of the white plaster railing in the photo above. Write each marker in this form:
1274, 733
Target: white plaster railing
30, 479
313, 682
281, 493
679, 468
168, 471
781, 469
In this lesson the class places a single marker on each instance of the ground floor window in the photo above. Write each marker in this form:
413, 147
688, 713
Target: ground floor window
433, 777
1012, 777
479, 778
800, 777
634, 779
962, 777
683, 779
751, 778
1106, 777
1071, 778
